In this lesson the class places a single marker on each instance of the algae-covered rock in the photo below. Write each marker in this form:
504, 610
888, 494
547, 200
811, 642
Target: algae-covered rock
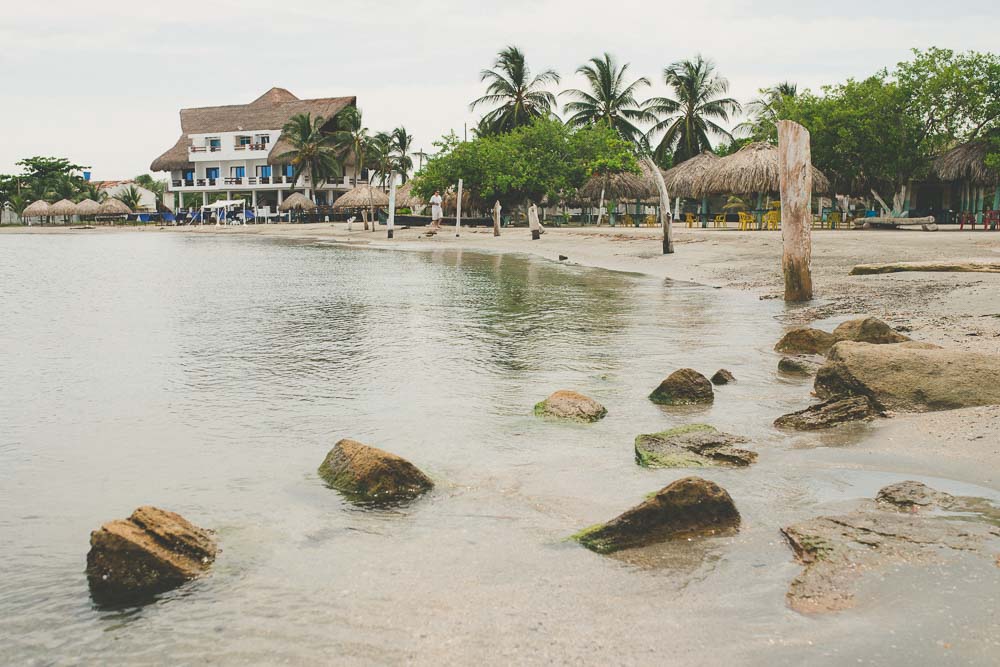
829, 413
909, 377
722, 376
570, 405
369, 474
691, 446
688, 507
798, 365
683, 387
150, 552
868, 330
805, 340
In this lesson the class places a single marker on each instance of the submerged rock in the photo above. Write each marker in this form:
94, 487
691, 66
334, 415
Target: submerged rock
798, 365
910, 377
722, 376
837, 550
683, 387
868, 330
565, 404
688, 507
694, 445
805, 340
368, 474
829, 413
150, 552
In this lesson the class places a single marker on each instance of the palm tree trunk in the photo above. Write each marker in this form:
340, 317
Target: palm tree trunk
600, 208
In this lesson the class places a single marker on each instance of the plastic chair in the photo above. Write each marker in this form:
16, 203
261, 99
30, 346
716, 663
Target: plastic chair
967, 219
690, 219
650, 221
834, 220
719, 221
747, 222
772, 220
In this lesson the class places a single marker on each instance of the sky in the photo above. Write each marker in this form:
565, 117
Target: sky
101, 83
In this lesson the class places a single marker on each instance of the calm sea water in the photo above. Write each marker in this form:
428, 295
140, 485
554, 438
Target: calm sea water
210, 376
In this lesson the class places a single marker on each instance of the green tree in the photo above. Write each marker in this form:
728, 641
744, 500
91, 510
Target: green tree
92, 192
381, 156
313, 152
520, 97
698, 106
611, 99
402, 144
352, 137
766, 110
157, 187
131, 197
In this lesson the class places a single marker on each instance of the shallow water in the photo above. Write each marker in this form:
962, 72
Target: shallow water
210, 376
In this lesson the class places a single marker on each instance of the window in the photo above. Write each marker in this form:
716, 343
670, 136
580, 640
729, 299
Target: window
212, 172
243, 140
289, 170
214, 144
237, 172
262, 139
189, 174
264, 170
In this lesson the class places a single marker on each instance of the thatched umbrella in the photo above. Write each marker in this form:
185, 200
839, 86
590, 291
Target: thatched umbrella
362, 196
87, 207
405, 198
683, 179
966, 164
297, 202
113, 208
64, 208
36, 209
617, 187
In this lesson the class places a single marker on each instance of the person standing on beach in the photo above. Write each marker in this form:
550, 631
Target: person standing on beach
436, 212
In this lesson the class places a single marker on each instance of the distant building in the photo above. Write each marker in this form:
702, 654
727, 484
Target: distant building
147, 198
235, 150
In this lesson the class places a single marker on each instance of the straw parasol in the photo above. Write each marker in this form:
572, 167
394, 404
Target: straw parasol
623, 185
405, 198
683, 179
752, 169
966, 162
112, 206
363, 196
36, 209
64, 208
298, 201
87, 207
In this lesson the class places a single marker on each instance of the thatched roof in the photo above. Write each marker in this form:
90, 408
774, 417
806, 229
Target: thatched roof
63, 207
112, 206
362, 196
36, 209
270, 111
88, 207
405, 197
623, 185
297, 200
683, 179
752, 169
966, 162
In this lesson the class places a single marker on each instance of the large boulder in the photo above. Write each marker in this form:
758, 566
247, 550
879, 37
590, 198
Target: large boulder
800, 365
910, 377
829, 413
688, 507
805, 340
683, 387
722, 376
868, 330
150, 552
694, 445
570, 405
368, 474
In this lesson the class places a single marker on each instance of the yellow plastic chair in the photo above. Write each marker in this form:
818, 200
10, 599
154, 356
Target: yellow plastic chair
650, 220
747, 222
689, 219
719, 221
817, 222
834, 220
772, 220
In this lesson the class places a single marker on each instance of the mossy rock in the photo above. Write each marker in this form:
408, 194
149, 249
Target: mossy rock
368, 474
683, 387
571, 406
691, 446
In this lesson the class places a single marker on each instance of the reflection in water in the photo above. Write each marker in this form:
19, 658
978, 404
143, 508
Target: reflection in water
211, 375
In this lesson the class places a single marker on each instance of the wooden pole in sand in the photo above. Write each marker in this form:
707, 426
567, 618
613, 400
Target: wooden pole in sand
664, 208
458, 209
390, 223
496, 218
795, 173
533, 225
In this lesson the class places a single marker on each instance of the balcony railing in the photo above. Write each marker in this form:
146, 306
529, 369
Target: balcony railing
232, 180
202, 149
251, 147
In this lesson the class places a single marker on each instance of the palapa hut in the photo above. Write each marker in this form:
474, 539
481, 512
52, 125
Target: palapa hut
297, 202
965, 165
36, 209
683, 179
751, 170
618, 187
87, 207
63, 208
113, 208
406, 198
362, 197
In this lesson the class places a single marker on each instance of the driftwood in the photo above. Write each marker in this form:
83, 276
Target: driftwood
944, 267
795, 174
928, 224
664, 208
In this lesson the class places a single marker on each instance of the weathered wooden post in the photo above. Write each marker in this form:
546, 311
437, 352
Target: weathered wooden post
664, 208
795, 172
392, 204
458, 209
533, 224
496, 218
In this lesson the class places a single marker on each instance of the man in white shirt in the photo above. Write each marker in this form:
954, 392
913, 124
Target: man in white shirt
436, 212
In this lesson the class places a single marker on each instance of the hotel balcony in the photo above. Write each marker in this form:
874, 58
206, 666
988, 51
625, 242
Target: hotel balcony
254, 183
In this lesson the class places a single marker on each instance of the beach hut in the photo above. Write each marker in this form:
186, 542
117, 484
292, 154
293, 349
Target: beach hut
87, 207
751, 170
36, 209
966, 166
405, 198
113, 208
682, 180
620, 186
297, 202
362, 197
63, 208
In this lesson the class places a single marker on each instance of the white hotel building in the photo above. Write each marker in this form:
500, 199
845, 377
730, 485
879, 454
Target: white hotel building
233, 150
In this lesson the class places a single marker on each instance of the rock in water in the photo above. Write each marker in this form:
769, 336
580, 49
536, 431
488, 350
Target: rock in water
798, 365
910, 377
683, 387
150, 552
910, 495
722, 376
570, 405
868, 330
688, 507
694, 445
829, 413
805, 340
367, 474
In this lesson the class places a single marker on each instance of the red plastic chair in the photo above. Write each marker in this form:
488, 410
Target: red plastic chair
967, 219
991, 220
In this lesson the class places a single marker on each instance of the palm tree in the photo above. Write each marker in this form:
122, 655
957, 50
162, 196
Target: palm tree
313, 151
688, 121
93, 192
131, 197
352, 137
382, 157
521, 98
402, 143
610, 100
157, 187
766, 111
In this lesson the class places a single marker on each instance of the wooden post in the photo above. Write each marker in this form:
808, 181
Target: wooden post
390, 223
496, 218
536, 229
600, 208
664, 208
458, 209
795, 172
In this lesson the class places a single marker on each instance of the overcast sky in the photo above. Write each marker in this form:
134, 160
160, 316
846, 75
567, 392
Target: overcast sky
101, 83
